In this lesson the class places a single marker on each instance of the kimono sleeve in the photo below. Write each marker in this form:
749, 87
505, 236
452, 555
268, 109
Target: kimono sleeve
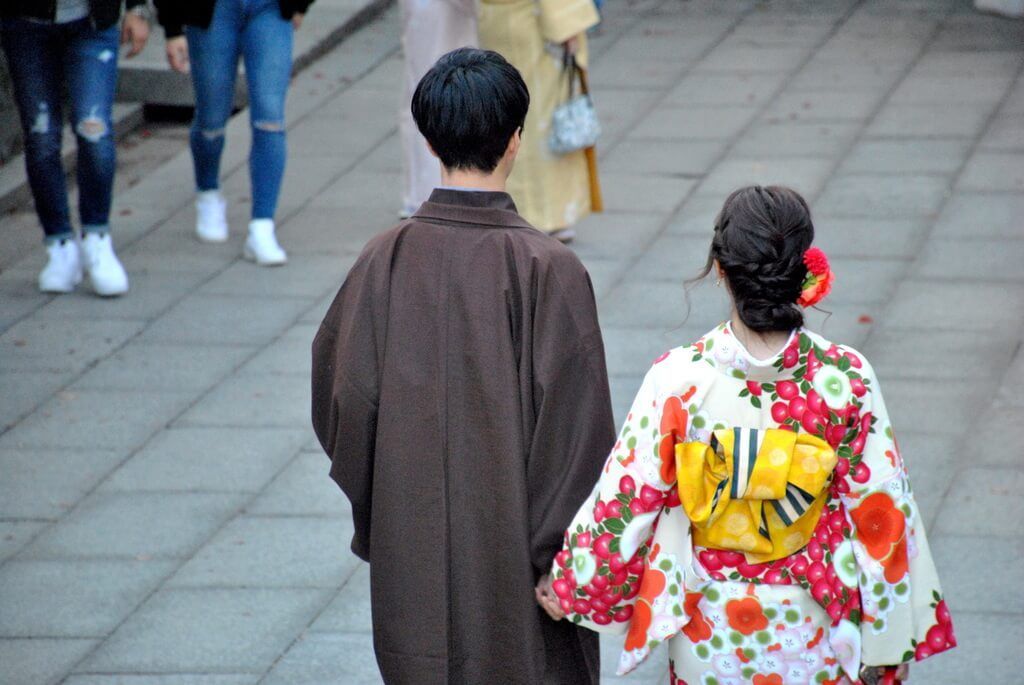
345, 393
904, 617
602, 577
560, 20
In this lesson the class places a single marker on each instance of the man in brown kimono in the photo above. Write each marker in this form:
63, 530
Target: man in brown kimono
459, 387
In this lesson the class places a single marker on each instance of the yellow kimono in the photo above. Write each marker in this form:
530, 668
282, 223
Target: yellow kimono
550, 191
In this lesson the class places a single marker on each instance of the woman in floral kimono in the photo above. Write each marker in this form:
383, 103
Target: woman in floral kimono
755, 512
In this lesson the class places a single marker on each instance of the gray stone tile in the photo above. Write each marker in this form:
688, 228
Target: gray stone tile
254, 400
14, 535
849, 324
173, 248
949, 306
45, 484
670, 258
175, 679
796, 139
19, 295
822, 75
697, 216
289, 355
260, 551
107, 419
653, 74
616, 236
315, 658
1002, 421
308, 276
990, 639
349, 611
202, 459
158, 366
631, 352
151, 294
805, 175
912, 353
358, 190
988, 171
971, 259
985, 501
864, 281
751, 59
304, 488
989, 215
73, 598
630, 192
823, 105
932, 465
664, 157
140, 525
45, 344
945, 89
866, 238
323, 231
878, 196
218, 319
24, 390
923, 405
694, 122
724, 89
654, 670
662, 305
207, 630
918, 121
1003, 63
906, 157
620, 109
964, 560
40, 661
1006, 132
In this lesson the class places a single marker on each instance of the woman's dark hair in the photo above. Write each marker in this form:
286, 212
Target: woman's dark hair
468, 106
760, 239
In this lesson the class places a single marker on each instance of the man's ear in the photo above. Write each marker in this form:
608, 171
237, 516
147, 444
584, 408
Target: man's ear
431, 148
513, 144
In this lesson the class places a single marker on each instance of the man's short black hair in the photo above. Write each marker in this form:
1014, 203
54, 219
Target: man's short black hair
468, 106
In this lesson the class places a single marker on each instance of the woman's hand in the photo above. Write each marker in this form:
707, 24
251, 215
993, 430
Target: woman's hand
177, 54
134, 30
547, 600
572, 46
297, 20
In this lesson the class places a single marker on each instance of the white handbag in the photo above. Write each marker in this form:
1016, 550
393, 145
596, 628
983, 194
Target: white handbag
574, 125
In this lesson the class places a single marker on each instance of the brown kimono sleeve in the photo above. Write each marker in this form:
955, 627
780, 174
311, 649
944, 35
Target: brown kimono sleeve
574, 426
345, 392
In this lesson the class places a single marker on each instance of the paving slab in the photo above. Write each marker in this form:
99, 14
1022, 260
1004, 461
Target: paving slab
45, 484
664, 157
671, 258
97, 419
822, 105
919, 121
870, 195
724, 89
225, 320
303, 489
932, 304
318, 658
202, 630
796, 139
967, 355
864, 238
40, 661
984, 502
991, 171
137, 525
805, 175
262, 551
694, 122
983, 215
349, 611
48, 345
290, 355
24, 390
174, 679
631, 193
208, 459
972, 258
15, 534
74, 598
159, 366
614, 235
913, 156
969, 559
1005, 132
253, 400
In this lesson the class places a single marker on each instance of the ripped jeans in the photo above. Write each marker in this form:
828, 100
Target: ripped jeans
42, 57
254, 30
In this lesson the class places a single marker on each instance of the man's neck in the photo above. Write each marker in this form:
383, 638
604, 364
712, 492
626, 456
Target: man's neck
473, 180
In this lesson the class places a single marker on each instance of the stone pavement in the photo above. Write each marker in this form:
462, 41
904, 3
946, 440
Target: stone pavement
165, 512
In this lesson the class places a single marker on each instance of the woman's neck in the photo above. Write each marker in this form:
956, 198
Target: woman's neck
761, 346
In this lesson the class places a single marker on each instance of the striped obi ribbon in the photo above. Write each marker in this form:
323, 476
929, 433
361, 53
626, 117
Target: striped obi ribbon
755, 491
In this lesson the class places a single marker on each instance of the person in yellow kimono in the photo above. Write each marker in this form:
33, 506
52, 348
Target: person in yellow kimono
755, 513
551, 191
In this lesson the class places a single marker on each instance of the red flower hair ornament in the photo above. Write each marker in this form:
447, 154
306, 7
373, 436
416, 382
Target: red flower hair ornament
818, 281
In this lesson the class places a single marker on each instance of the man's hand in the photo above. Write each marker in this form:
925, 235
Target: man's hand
547, 600
572, 45
297, 20
134, 30
177, 54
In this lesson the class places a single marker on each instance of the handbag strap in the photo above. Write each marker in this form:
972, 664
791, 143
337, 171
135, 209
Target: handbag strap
574, 71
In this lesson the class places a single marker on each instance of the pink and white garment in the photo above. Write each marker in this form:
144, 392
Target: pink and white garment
862, 591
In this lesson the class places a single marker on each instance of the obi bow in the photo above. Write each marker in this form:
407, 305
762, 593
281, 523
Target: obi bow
754, 491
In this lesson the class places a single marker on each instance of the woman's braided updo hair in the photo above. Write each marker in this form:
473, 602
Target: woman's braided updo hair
760, 239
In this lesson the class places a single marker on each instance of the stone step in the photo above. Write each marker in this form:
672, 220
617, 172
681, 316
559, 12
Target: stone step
148, 78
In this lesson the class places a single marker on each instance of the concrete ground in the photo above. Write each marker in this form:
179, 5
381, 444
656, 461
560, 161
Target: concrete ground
165, 512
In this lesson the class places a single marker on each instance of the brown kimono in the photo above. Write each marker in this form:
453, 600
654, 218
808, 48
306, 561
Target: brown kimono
459, 387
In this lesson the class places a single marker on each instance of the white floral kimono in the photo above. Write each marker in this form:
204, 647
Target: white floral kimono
770, 561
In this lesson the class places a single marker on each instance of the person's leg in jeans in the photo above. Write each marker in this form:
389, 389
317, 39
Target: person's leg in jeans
213, 54
90, 63
35, 59
267, 51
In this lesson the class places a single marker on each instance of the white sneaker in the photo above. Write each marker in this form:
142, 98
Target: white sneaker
105, 271
261, 246
63, 271
211, 217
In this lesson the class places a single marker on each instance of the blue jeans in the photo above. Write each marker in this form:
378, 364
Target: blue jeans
254, 30
41, 57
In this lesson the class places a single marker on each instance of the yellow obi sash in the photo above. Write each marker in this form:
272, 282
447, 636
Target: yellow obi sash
754, 491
